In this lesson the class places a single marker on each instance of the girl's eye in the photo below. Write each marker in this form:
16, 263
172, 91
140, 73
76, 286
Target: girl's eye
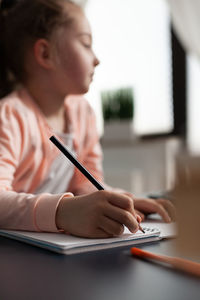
86, 41
87, 45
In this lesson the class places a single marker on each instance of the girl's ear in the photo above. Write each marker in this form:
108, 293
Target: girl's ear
43, 53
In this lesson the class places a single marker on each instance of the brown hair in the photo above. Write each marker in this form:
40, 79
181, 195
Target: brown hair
22, 22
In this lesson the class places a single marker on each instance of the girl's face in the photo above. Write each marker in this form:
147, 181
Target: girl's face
75, 60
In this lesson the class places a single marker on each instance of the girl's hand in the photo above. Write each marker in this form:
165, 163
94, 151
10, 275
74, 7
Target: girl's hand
97, 215
163, 207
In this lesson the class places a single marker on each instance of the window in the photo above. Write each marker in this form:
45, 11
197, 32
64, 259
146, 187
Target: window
132, 41
193, 104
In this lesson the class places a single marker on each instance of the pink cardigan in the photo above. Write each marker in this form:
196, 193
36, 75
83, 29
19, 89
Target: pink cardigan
26, 155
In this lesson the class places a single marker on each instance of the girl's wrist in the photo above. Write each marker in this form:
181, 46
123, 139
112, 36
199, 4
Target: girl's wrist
60, 213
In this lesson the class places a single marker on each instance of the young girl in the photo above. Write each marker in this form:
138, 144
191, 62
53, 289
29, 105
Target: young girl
46, 64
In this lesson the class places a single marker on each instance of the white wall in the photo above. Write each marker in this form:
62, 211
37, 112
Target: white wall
131, 38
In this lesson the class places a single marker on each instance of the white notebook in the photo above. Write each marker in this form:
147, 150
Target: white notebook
68, 244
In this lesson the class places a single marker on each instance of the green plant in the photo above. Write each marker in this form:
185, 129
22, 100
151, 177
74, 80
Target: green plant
118, 104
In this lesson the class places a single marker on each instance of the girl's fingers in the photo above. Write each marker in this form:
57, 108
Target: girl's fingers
140, 214
100, 233
167, 204
159, 209
138, 218
111, 227
162, 212
149, 206
121, 216
120, 200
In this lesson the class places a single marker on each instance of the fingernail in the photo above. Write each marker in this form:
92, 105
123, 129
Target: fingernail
169, 219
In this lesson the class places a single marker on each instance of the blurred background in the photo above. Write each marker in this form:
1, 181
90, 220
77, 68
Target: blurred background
146, 90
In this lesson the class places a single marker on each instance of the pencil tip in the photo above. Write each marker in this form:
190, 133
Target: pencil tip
141, 229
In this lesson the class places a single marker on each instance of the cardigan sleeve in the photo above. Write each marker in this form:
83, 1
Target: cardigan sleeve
22, 211
19, 210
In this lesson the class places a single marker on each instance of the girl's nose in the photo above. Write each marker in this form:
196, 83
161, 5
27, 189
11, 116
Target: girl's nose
96, 61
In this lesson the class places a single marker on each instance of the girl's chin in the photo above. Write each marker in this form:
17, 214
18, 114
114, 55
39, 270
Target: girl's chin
81, 89
84, 89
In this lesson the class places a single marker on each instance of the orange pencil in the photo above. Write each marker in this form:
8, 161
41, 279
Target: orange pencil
178, 263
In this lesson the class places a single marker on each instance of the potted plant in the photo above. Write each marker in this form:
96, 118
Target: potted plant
118, 114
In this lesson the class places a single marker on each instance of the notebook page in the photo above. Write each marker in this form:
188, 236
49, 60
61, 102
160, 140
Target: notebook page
167, 230
62, 243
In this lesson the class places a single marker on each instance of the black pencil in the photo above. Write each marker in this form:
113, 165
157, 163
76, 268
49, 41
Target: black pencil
81, 168
72, 158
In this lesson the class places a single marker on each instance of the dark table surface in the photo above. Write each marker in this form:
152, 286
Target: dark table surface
28, 272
